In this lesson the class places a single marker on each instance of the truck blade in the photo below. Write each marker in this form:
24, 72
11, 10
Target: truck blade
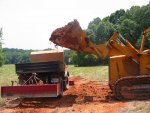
29, 91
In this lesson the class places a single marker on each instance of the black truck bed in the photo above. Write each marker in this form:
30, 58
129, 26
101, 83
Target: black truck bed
53, 66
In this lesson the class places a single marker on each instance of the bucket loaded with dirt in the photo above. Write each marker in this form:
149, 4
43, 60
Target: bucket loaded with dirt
68, 36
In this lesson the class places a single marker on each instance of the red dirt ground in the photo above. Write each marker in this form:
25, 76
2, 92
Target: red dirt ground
84, 97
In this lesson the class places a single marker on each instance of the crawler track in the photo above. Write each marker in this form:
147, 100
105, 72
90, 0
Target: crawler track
133, 88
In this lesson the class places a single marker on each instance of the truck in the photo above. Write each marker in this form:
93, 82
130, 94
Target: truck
129, 68
45, 76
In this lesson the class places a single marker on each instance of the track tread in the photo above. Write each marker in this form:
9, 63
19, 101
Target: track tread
130, 82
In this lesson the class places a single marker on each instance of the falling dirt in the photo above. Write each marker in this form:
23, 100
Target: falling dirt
84, 97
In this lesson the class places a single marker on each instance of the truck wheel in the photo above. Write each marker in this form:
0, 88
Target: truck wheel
61, 85
65, 84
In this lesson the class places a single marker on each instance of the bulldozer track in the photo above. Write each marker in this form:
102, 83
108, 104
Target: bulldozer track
133, 88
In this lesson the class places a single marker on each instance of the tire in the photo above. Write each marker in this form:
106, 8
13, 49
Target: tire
61, 85
66, 84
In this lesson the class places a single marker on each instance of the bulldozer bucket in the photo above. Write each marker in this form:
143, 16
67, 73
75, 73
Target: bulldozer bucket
68, 36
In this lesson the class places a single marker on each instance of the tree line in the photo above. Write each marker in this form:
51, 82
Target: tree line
130, 23
14, 56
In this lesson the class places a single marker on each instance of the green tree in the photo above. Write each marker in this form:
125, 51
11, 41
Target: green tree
74, 58
91, 30
135, 21
14, 56
116, 17
81, 59
145, 21
140, 15
99, 31
103, 32
130, 30
94, 22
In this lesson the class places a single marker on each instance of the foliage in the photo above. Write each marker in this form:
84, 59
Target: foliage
81, 59
132, 22
99, 31
103, 32
14, 56
91, 30
116, 17
129, 29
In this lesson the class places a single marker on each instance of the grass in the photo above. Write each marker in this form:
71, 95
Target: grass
93, 73
7, 74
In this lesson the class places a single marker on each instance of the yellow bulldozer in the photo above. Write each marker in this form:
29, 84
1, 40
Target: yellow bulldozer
129, 68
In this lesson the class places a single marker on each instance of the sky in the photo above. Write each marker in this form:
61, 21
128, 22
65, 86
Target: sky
28, 24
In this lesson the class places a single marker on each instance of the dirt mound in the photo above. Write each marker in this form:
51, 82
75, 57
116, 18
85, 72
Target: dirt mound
84, 96
89, 91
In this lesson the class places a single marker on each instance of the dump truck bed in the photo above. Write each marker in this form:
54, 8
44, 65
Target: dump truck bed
40, 67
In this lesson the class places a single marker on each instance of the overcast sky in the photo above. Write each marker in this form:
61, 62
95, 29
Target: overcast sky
28, 24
